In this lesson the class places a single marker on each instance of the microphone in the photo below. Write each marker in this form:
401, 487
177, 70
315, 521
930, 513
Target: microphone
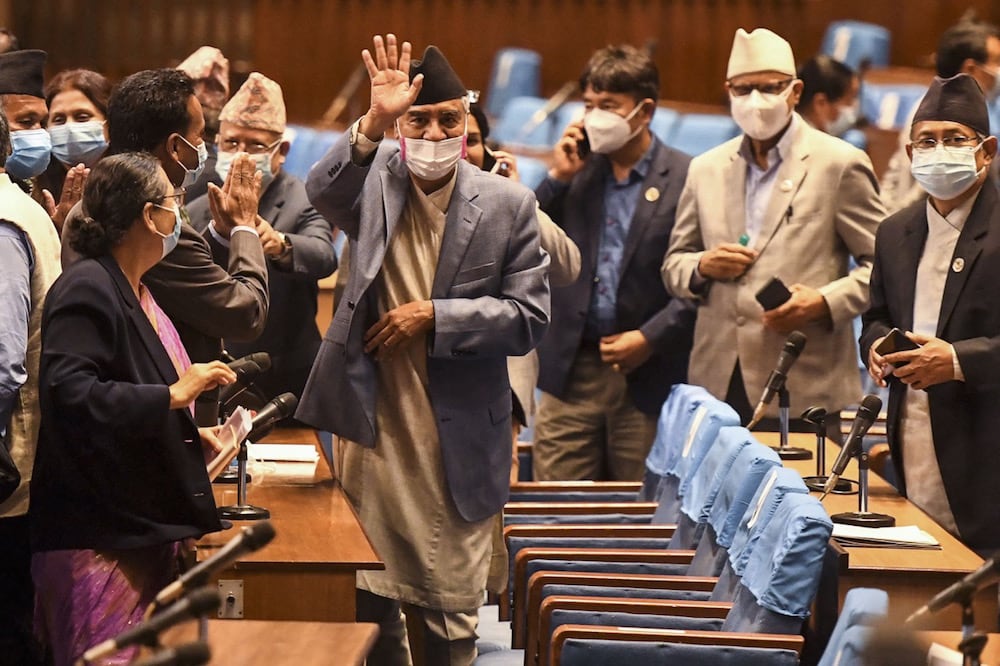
196, 604
794, 345
279, 408
961, 591
863, 420
247, 369
251, 538
551, 105
189, 654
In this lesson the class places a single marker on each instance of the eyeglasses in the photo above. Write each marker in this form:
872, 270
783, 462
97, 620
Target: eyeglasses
251, 148
770, 88
956, 141
178, 196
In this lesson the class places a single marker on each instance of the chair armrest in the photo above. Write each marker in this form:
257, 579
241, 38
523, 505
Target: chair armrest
542, 624
579, 554
578, 508
760, 641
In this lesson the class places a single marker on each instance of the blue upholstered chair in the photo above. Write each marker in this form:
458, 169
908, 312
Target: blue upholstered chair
862, 606
516, 127
663, 123
857, 44
694, 133
516, 73
888, 105
532, 171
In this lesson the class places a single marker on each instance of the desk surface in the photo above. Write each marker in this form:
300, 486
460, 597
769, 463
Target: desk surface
259, 643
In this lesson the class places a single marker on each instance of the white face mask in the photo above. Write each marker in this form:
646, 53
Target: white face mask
224, 161
432, 160
846, 118
761, 116
945, 173
170, 240
607, 131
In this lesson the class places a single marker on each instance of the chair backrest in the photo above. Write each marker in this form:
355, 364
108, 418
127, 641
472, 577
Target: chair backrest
516, 127
888, 105
706, 420
697, 501
856, 43
516, 73
663, 123
694, 133
570, 112
851, 651
598, 652
675, 417
749, 469
532, 171
862, 606
783, 570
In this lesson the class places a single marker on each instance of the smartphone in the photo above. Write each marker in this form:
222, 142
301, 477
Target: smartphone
773, 294
489, 160
583, 146
896, 341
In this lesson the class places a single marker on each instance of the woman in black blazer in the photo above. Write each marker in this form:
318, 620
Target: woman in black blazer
119, 477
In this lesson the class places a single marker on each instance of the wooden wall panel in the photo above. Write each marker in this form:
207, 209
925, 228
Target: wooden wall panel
311, 46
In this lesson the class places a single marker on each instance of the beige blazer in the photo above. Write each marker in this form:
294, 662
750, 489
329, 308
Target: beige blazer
824, 209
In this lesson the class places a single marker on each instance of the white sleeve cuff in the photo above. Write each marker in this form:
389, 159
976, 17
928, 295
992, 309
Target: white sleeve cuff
957, 367
224, 242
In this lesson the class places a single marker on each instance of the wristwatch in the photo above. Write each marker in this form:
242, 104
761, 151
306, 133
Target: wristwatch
286, 245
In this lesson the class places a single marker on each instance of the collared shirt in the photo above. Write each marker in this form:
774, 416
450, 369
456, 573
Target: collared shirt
620, 201
18, 262
760, 182
924, 484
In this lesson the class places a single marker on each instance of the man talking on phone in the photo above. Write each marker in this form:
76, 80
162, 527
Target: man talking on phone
617, 340
937, 264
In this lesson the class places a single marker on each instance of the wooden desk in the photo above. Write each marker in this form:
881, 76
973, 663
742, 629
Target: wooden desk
308, 571
951, 639
911, 577
258, 643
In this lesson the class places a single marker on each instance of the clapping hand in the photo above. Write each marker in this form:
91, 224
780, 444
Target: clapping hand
235, 203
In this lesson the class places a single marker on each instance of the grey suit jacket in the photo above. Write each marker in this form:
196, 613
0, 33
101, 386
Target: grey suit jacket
823, 210
491, 300
290, 335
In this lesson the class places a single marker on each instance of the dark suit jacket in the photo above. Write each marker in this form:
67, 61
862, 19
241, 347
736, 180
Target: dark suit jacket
204, 301
116, 467
290, 335
643, 302
965, 416
491, 301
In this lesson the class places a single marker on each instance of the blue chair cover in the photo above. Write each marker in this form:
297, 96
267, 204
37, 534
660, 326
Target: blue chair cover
862, 606
646, 621
888, 105
694, 133
570, 112
531, 171
516, 73
675, 416
737, 491
663, 123
579, 652
856, 43
783, 570
850, 651
515, 127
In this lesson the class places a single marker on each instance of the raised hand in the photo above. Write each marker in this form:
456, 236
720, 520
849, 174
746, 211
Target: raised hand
198, 378
235, 203
392, 93
72, 192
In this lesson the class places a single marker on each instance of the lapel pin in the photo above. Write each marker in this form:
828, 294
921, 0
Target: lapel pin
958, 264
786, 185
652, 194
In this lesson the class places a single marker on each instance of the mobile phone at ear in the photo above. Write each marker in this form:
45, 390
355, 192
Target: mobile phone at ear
896, 341
489, 160
583, 146
773, 294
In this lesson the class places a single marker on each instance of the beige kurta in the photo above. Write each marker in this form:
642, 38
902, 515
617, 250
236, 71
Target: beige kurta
433, 557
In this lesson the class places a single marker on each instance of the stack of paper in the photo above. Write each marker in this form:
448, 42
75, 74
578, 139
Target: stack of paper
231, 434
908, 536
287, 463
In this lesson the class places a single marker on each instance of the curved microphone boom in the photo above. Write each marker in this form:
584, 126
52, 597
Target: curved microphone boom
247, 369
196, 604
251, 538
960, 592
868, 411
794, 345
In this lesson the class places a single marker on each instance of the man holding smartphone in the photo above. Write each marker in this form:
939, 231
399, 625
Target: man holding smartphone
933, 287
618, 341
782, 200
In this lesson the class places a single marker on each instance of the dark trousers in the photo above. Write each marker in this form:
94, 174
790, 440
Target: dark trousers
736, 396
17, 595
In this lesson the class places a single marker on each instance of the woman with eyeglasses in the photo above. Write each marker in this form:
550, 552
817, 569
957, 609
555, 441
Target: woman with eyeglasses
119, 478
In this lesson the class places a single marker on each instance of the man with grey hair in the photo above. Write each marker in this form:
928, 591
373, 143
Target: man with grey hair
29, 255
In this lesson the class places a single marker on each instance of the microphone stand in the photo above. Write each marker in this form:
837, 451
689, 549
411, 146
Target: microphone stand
816, 416
241, 510
973, 641
786, 452
863, 517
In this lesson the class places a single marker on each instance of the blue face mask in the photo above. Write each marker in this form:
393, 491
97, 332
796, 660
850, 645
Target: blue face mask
224, 162
31, 152
192, 175
170, 240
74, 143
